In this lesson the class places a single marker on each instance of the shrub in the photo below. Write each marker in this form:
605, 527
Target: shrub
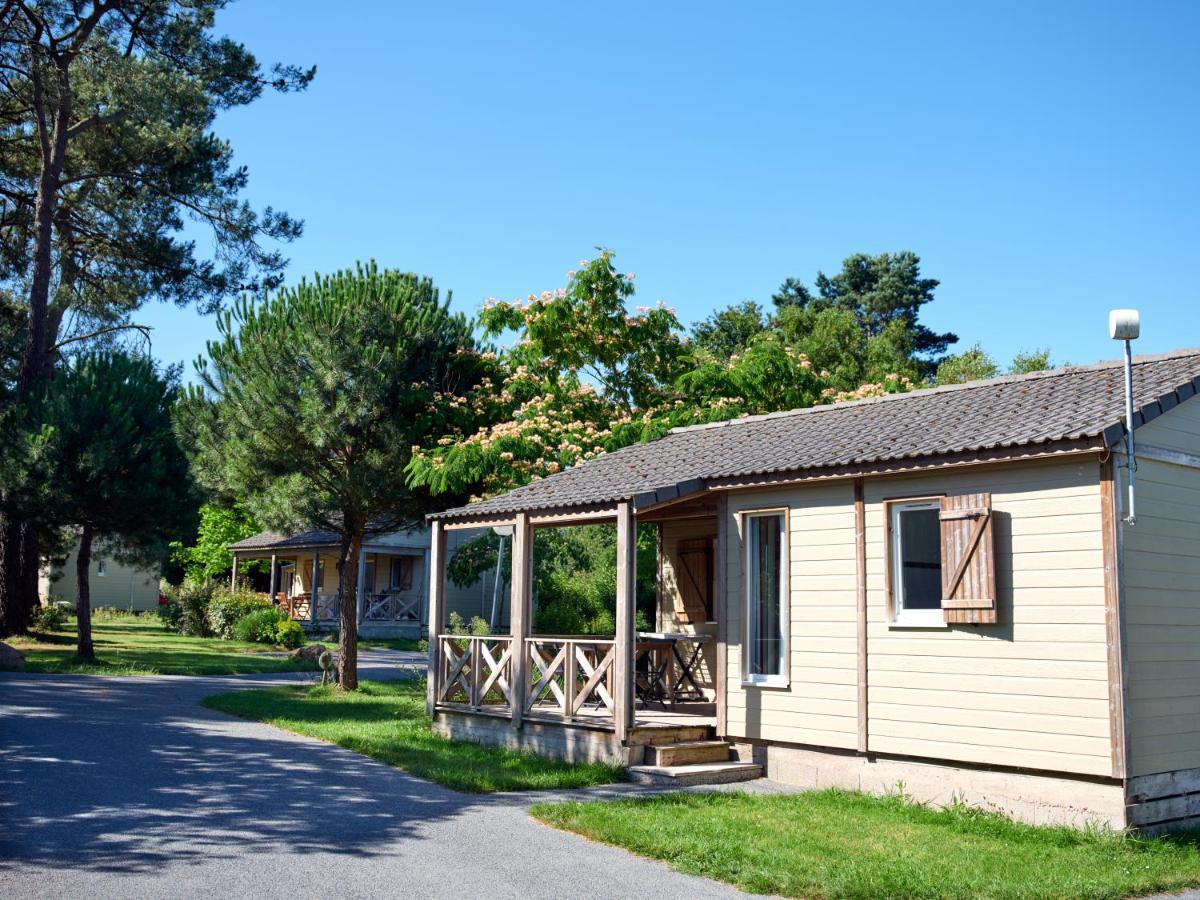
478, 626
228, 607
49, 617
288, 633
186, 610
260, 626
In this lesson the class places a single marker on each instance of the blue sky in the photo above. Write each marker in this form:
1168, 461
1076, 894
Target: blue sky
1041, 158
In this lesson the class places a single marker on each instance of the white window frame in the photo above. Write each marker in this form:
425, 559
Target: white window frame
783, 679
901, 617
101, 568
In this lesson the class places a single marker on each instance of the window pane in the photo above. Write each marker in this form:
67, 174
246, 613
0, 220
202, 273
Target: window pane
766, 634
921, 559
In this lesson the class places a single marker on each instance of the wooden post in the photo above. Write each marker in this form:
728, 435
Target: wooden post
274, 585
233, 577
437, 608
860, 568
316, 586
570, 679
721, 608
360, 592
626, 649
522, 589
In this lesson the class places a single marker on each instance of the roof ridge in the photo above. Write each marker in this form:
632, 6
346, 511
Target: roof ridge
944, 389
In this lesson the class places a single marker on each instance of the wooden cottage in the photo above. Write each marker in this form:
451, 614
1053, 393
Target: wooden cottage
392, 580
936, 590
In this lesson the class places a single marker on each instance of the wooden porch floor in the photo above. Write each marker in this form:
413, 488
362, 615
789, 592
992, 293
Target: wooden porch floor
657, 715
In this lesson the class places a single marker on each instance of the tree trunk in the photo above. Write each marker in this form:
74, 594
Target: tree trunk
83, 604
13, 608
352, 536
18, 541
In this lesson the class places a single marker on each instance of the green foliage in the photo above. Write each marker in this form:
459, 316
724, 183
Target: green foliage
972, 364
186, 610
1027, 361
313, 399
976, 363
832, 843
289, 633
260, 626
108, 458
862, 325
476, 625
143, 83
48, 617
575, 579
730, 330
220, 526
227, 607
587, 376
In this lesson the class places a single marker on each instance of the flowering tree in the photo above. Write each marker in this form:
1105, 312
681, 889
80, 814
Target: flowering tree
586, 377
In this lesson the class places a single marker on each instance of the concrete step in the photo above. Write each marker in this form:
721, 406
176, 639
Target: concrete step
698, 773
685, 753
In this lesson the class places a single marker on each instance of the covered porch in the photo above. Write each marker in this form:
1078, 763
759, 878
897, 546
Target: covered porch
589, 696
303, 582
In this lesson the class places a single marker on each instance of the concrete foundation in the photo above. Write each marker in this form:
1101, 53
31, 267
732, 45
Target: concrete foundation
1037, 798
550, 739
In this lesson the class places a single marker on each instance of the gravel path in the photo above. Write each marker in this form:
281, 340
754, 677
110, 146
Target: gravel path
126, 787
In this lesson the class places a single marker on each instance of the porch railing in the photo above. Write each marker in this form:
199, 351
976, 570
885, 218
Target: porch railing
571, 677
391, 606
329, 606
475, 671
567, 678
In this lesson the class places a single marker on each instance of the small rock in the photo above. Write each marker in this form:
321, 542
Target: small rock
11, 657
308, 653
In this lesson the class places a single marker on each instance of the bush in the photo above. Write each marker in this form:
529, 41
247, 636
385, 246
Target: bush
260, 626
186, 610
288, 633
228, 607
478, 626
48, 617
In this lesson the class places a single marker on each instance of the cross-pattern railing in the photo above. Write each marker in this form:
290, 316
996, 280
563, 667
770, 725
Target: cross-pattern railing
572, 677
391, 606
329, 606
296, 606
475, 671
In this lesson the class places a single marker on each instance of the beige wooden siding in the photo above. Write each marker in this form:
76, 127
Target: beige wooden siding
1161, 573
1178, 428
669, 601
121, 587
1031, 690
819, 706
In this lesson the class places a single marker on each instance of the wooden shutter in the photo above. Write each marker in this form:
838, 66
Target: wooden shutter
968, 560
694, 579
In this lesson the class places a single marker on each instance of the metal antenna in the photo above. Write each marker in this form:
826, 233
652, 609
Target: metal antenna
1125, 325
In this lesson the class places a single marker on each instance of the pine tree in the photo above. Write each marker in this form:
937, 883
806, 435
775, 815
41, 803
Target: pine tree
112, 464
313, 400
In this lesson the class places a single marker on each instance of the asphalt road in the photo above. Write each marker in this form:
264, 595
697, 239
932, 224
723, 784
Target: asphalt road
127, 788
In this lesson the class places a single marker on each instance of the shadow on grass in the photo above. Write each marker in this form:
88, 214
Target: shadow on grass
387, 721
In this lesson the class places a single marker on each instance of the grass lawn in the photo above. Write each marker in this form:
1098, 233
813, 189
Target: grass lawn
837, 844
387, 721
139, 645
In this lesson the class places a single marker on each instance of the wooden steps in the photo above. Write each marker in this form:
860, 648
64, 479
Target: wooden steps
691, 759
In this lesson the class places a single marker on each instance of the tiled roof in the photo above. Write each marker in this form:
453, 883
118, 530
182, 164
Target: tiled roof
1079, 406
274, 540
